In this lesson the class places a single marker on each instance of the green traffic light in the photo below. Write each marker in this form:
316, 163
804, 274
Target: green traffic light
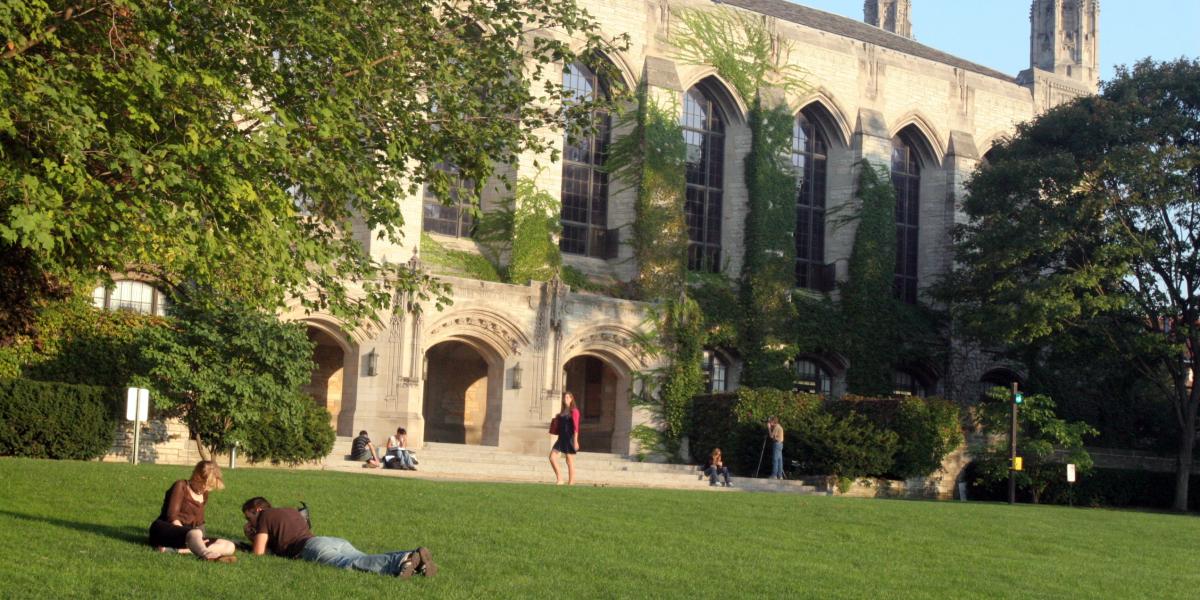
1019, 398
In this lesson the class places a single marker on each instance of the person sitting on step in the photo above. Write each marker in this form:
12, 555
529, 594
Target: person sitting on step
715, 467
398, 456
362, 449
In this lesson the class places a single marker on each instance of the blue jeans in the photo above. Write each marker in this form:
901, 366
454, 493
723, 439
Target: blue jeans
777, 461
713, 472
337, 552
403, 456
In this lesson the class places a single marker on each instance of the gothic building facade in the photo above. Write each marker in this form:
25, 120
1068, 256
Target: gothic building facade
490, 368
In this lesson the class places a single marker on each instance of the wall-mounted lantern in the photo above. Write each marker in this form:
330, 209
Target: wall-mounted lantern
372, 363
516, 377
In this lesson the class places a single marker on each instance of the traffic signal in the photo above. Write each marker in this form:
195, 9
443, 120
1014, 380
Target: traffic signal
1018, 464
1019, 398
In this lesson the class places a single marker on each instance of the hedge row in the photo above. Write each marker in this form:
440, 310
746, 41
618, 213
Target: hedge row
895, 438
56, 420
1112, 488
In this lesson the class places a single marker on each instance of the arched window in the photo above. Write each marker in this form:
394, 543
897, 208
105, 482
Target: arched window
907, 384
906, 179
715, 370
704, 137
452, 217
584, 182
809, 152
133, 296
811, 378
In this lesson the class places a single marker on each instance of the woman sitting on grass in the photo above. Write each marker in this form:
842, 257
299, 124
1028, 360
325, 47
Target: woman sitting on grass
180, 524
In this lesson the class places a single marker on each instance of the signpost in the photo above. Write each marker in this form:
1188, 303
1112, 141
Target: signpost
1017, 399
137, 409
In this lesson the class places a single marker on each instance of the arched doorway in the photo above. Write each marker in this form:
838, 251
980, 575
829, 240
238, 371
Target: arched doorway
459, 387
595, 385
326, 385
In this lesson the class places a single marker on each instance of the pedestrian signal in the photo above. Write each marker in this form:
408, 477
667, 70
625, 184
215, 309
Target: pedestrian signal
1018, 464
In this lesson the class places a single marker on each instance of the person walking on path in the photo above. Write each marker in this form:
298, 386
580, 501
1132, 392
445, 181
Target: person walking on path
568, 439
285, 532
775, 432
180, 522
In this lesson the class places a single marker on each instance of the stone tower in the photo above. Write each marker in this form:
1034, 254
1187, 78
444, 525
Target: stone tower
891, 15
1064, 39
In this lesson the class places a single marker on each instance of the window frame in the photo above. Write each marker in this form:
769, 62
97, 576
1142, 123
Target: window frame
594, 226
103, 299
812, 195
704, 185
906, 181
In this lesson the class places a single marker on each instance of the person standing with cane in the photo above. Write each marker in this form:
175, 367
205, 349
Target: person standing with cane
775, 432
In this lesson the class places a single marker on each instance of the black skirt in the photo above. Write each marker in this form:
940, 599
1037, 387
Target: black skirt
564, 445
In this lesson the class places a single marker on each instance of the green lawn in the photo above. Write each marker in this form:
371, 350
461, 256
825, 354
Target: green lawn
73, 530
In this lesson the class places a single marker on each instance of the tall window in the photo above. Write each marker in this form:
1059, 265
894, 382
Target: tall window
811, 378
584, 183
906, 178
133, 296
715, 371
808, 158
704, 136
906, 384
452, 217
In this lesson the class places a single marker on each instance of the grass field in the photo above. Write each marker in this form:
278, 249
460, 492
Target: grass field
77, 530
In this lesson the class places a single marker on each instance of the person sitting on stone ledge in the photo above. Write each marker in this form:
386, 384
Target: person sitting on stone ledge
362, 449
398, 456
716, 466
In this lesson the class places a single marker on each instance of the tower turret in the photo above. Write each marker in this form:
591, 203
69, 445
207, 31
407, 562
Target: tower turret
890, 15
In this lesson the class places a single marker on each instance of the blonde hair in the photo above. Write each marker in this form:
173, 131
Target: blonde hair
716, 452
206, 477
567, 407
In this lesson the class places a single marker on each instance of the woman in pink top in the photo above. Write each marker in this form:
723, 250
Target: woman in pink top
568, 439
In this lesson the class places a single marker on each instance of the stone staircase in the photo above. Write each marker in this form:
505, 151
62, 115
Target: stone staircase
484, 463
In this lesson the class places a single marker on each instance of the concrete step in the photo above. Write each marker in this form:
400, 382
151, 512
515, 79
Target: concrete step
485, 463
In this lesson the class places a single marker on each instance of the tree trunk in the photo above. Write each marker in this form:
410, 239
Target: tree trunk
1187, 444
202, 449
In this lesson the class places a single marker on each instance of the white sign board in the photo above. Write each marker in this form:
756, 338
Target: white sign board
137, 404
1070, 473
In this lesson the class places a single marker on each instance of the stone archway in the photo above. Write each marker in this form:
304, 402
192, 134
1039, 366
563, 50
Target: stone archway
462, 394
327, 385
596, 386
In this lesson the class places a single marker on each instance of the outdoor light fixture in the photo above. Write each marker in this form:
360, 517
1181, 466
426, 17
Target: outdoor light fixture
372, 363
516, 377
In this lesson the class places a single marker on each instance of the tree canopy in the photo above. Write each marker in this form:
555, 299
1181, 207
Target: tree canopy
249, 147
1088, 220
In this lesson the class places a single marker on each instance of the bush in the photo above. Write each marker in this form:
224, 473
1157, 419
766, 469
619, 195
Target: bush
927, 429
845, 446
278, 439
55, 420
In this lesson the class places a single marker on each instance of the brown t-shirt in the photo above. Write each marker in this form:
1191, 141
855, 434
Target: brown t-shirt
286, 530
178, 504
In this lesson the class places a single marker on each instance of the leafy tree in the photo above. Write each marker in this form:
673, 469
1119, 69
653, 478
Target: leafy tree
251, 146
1088, 218
231, 373
1044, 442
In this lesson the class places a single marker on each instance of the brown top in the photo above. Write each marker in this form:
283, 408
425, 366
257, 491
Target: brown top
178, 505
286, 530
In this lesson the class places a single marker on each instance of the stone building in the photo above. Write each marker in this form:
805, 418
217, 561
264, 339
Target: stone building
489, 369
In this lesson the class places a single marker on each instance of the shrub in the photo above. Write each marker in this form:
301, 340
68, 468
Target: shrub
279, 439
1111, 488
845, 446
55, 420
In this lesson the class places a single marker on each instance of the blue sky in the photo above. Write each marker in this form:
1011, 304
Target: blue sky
995, 33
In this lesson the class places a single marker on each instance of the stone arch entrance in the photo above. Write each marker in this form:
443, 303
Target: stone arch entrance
463, 387
327, 385
596, 386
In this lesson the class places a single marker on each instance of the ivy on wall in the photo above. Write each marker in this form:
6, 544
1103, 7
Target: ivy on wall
867, 303
651, 159
769, 315
747, 55
677, 334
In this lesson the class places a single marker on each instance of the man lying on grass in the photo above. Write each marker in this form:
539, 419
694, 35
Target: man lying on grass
285, 532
